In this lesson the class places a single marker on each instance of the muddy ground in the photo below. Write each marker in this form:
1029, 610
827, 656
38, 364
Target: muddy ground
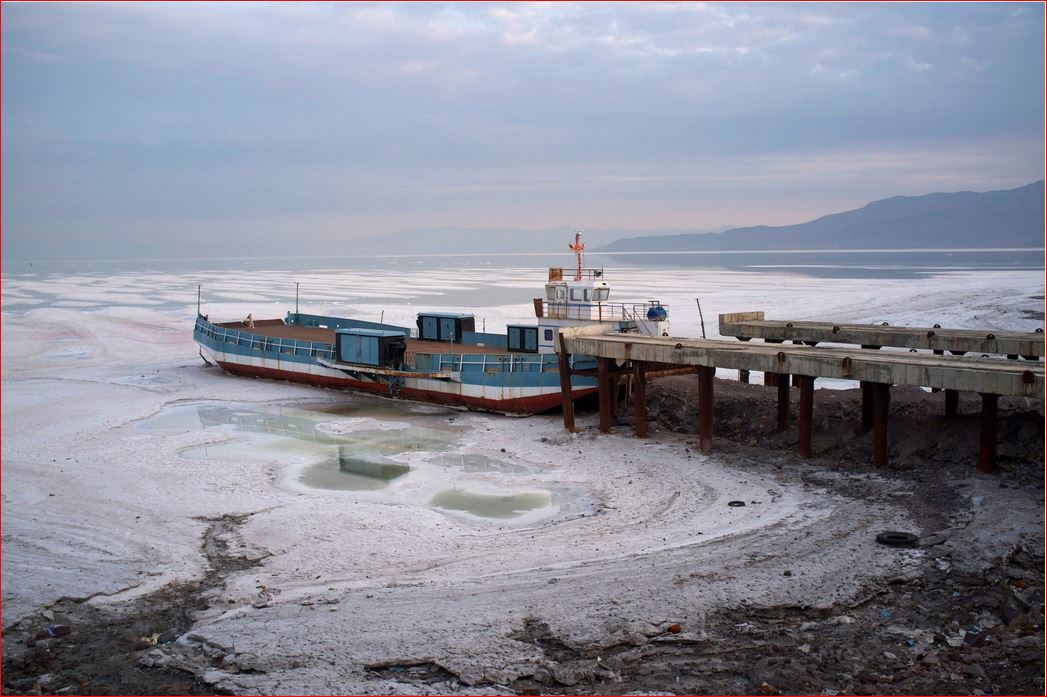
952, 627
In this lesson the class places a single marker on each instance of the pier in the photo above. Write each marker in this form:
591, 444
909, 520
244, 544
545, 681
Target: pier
621, 355
752, 325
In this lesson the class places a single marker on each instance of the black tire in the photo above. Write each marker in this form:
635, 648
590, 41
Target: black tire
892, 538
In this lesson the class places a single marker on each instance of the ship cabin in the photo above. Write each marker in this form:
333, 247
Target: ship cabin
583, 298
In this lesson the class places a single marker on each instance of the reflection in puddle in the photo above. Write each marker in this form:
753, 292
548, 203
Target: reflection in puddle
471, 462
491, 506
346, 453
386, 453
351, 473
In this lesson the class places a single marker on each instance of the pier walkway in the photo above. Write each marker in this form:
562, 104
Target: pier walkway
753, 325
620, 355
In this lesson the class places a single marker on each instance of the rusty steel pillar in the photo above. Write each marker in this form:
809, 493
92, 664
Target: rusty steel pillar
565, 387
952, 403
783, 401
770, 379
881, 405
614, 381
806, 412
987, 449
705, 408
743, 376
603, 383
640, 398
867, 406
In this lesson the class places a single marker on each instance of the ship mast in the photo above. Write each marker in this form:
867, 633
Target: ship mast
578, 247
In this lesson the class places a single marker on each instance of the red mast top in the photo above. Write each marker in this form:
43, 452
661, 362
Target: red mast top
578, 247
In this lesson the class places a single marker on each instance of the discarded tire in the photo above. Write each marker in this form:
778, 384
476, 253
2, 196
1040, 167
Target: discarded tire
897, 539
735, 504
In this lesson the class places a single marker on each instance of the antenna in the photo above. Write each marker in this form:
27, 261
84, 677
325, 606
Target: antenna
197, 299
296, 297
578, 247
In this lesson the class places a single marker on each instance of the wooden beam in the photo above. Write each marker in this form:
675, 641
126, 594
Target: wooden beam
806, 413
565, 387
783, 401
705, 408
987, 450
640, 398
603, 382
881, 404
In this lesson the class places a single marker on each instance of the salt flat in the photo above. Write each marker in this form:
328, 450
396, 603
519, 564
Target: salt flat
640, 536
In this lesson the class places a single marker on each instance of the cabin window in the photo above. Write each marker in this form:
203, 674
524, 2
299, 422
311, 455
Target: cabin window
586, 293
548, 334
600, 294
550, 292
561, 293
576, 294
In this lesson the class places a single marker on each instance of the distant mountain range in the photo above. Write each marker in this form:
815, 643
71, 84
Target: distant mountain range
459, 240
1010, 218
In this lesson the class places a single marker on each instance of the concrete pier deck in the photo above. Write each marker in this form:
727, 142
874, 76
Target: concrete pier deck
619, 355
754, 325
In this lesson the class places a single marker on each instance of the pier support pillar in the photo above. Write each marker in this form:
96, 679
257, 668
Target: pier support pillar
987, 450
743, 376
806, 413
867, 406
705, 408
952, 403
783, 401
770, 379
603, 382
640, 398
937, 352
881, 405
565, 387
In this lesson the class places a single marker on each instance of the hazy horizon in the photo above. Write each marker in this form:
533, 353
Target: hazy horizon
187, 130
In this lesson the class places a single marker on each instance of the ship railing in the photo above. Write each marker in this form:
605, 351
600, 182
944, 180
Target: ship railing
560, 273
491, 363
597, 312
267, 344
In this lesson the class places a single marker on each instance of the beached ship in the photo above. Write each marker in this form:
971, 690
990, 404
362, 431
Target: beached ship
443, 359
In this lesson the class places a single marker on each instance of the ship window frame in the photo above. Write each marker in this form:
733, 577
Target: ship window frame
601, 294
575, 294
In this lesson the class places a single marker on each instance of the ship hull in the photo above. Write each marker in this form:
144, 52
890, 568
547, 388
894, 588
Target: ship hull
519, 391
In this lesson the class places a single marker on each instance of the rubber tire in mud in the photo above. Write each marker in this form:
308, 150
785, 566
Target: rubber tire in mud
892, 538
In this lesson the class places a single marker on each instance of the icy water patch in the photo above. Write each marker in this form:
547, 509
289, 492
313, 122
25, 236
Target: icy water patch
331, 446
384, 452
492, 505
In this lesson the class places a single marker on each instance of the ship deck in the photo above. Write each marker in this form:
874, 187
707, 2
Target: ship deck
276, 329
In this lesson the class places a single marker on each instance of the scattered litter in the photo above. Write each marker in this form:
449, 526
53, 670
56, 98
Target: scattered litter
675, 628
151, 639
885, 613
57, 630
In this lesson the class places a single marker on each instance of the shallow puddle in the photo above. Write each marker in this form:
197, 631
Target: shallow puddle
359, 446
491, 505
341, 446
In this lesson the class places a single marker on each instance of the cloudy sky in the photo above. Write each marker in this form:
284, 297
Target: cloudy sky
186, 129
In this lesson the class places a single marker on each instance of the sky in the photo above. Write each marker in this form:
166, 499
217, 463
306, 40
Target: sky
187, 130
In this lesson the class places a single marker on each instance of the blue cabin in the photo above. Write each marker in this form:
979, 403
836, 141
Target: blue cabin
444, 326
375, 347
